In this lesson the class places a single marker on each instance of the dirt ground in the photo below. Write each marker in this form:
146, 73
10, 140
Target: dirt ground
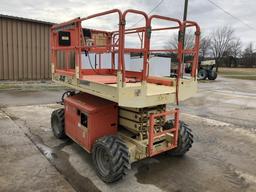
223, 157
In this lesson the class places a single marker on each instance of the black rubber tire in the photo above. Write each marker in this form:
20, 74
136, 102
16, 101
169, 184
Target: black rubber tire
188, 69
202, 74
212, 75
111, 158
185, 139
58, 123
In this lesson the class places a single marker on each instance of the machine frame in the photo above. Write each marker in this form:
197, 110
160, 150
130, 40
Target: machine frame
143, 129
127, 88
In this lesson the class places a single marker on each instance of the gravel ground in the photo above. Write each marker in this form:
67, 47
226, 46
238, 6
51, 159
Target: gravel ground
223, 157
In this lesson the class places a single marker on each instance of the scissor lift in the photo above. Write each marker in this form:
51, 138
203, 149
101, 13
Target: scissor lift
120, 116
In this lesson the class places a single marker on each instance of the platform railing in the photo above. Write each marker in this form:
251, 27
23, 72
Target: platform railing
195, 50
152, 136
118, 44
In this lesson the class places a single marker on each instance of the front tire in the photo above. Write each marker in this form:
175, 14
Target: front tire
202, 74
212, 75
58, 124
185, 139
111, 158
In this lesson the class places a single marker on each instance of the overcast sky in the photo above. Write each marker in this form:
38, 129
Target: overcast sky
208, 16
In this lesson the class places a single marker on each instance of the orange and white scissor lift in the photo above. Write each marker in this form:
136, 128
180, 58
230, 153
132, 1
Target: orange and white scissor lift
118, 115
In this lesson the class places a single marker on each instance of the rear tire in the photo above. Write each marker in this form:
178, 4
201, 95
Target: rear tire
185, 139
111, 158
58, 123
188, 69
212, 75
202, 74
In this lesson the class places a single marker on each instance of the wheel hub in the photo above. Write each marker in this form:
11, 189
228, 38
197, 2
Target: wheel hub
103, 161
55, 124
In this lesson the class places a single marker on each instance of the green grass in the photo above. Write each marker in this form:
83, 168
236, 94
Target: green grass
238, 73
7, 86
29, 86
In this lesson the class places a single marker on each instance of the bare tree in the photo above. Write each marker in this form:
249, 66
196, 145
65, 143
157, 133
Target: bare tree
205, 44
188, 43
221, 40
236, 48
248, 51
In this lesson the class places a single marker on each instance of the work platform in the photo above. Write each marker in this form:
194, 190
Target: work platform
77, 60
133, 94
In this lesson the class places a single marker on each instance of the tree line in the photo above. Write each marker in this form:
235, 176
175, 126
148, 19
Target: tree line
219, 44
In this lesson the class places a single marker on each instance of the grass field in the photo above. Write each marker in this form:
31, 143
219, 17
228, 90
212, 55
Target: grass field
30, 85
238, 73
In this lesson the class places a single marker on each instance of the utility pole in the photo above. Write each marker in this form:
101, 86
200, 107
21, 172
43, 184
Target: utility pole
185, 10
184, 34
185, 18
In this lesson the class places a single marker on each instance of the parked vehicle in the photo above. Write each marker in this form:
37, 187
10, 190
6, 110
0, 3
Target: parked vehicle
206, 70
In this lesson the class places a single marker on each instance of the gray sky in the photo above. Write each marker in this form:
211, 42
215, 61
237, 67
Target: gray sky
208, 16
